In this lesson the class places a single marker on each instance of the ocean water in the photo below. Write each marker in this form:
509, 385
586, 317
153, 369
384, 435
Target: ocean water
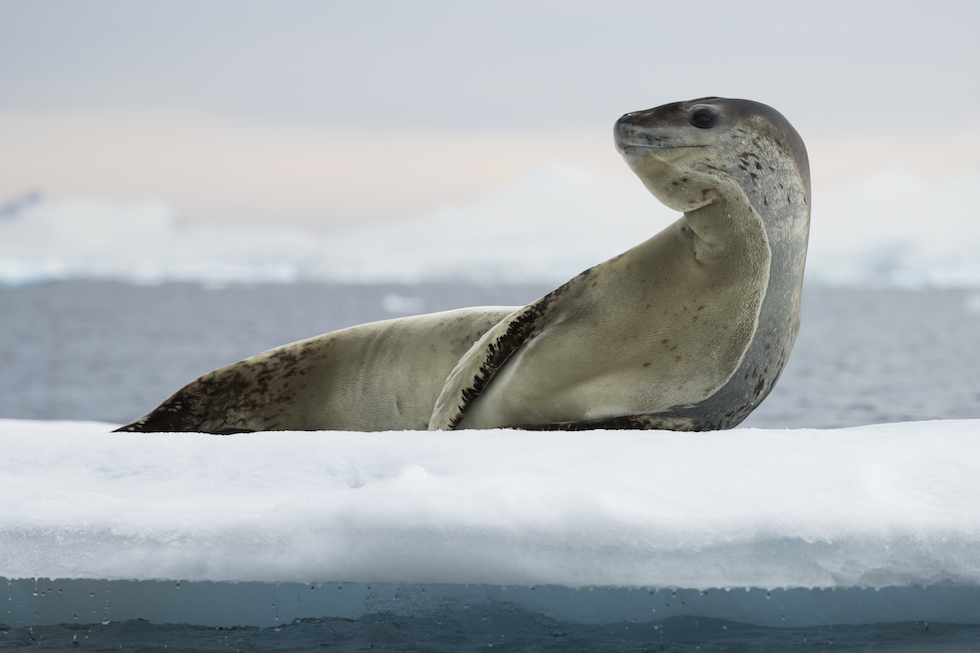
461, 631
106, 351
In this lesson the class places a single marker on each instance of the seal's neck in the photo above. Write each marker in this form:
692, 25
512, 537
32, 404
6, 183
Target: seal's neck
727, 226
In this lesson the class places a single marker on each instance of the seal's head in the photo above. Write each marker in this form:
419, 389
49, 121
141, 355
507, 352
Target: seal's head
688, 154
739, 172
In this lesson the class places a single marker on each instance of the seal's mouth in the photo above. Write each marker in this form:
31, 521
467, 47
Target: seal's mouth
629, 135
639, 145
644, 145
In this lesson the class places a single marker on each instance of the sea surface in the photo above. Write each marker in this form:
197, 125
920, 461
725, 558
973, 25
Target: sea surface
111, 352
457, 632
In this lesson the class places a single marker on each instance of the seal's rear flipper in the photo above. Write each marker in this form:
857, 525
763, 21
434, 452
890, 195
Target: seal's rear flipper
203, 405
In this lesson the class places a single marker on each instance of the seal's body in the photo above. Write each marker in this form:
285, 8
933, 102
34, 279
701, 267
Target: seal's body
372, 377
688, 330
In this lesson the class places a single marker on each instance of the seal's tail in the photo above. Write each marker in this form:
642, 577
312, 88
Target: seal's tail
205, 405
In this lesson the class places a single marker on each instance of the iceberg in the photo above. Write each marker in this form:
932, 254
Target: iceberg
895, 228
773, 527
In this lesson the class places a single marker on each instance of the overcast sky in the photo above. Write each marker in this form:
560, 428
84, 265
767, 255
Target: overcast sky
493, 64
833, 68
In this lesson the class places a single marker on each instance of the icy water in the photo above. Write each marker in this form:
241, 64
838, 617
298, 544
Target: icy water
111, 352
454, 631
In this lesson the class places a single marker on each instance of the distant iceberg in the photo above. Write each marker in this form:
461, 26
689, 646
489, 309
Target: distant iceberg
898, 229
894, 229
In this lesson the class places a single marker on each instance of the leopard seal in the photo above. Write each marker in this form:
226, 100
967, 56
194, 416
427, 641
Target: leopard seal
688, 330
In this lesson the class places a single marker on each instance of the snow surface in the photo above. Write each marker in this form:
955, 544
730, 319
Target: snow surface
877, 506
895, 228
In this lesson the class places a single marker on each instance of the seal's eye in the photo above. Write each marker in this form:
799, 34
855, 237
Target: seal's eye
702, 118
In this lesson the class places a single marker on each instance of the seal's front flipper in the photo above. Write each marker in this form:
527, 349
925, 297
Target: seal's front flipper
487, 355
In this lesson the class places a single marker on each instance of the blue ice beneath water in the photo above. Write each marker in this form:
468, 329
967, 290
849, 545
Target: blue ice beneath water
204, 616
225, 604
